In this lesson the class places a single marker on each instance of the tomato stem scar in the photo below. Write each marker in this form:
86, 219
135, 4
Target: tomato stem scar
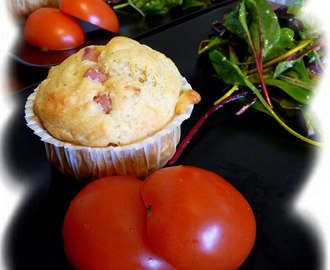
149, 209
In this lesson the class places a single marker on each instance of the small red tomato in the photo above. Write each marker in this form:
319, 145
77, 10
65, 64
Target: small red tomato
197, 220
105, 227
96, 12
50, 29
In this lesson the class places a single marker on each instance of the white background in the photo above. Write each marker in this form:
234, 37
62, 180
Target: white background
9, 194
312, 203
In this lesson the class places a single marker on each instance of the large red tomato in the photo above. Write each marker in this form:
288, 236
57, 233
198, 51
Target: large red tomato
50, 29
105, 227
97, 12
197, 220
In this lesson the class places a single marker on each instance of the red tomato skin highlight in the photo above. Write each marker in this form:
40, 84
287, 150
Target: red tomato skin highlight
50, 29
105, 227
198, 220
96, 12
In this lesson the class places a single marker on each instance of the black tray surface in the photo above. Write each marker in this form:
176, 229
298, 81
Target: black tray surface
265, 163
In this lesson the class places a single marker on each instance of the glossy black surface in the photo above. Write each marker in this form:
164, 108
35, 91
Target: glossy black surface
265, 163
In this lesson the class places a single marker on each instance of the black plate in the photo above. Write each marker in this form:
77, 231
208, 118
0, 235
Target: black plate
265, 163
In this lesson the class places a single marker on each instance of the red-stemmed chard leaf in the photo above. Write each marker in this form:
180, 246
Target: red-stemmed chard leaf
182, 146
256, 22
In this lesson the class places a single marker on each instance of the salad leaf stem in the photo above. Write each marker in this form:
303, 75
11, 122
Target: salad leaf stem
129, 3
247, 106
305, 85
311, 48
232, 90
314, 77
199, 123
259, 27
119, 6
319, 62
278, 119
136, 8
284, 56
221, 102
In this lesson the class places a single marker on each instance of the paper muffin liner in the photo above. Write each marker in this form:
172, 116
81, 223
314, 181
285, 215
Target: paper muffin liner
89, 163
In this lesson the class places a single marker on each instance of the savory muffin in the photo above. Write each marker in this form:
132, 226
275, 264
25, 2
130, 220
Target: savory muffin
113, 96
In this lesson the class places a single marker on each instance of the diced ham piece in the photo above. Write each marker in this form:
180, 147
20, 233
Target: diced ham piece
94, 74
90, 54
105, 102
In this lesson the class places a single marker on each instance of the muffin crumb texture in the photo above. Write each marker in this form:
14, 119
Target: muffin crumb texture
112, 95
111, 110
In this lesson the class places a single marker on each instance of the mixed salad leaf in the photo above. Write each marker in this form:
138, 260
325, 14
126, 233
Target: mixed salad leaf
145, 7
276, 56
271, 61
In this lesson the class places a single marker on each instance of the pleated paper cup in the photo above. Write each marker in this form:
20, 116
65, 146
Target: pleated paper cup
89, 163
22, 9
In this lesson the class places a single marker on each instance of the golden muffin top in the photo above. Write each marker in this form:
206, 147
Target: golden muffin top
116, 94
